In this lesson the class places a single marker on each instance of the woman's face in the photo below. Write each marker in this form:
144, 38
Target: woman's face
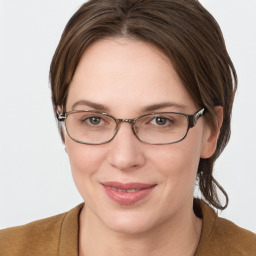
128, 78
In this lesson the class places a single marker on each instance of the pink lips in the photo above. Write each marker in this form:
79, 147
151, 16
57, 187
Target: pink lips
127, 193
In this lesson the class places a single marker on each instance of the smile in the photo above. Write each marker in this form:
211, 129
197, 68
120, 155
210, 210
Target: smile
126, 190
127, 193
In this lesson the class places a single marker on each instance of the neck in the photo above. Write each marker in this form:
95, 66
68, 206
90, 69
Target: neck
178, 237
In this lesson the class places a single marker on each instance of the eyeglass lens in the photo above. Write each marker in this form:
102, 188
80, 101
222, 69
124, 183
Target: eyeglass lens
96, 128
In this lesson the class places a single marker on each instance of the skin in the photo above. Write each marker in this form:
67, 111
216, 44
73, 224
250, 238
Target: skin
126, 76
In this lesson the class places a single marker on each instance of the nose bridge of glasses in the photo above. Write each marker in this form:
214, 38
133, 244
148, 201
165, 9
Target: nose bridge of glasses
130, 121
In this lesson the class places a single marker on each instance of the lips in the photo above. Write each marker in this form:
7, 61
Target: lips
127, 193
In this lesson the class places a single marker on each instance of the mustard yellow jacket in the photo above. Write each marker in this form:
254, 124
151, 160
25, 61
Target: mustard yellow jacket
58, 236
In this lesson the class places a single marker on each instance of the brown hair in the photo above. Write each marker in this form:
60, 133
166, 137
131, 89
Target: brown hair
185, 32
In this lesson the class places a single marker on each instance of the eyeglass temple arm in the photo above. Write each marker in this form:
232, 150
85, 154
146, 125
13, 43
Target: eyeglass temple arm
60, 116
194, 118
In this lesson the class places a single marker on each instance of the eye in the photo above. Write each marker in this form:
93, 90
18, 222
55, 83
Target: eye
94, 120
91, 120
159, 120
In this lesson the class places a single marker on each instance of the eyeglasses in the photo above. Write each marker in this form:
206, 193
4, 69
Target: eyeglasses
94, 128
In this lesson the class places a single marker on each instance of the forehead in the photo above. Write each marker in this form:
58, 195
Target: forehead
126, 74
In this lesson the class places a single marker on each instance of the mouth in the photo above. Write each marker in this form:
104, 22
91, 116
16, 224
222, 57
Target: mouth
127, 193
126, 190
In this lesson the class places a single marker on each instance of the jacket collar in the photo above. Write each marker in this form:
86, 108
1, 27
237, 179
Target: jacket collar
69, 234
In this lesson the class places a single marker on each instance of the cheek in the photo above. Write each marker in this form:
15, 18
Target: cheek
178, 163
85, 160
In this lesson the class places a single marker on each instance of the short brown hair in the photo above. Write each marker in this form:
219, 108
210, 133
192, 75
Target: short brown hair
185, 32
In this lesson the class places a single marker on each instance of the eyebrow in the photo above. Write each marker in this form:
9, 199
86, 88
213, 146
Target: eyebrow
150, 108
157, 106
88, 103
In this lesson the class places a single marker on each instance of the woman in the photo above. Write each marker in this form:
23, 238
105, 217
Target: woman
143, 93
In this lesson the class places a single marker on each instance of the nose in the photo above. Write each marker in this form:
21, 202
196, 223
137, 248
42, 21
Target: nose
126, 151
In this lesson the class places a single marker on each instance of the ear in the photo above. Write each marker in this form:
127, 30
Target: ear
211, 134
59, 110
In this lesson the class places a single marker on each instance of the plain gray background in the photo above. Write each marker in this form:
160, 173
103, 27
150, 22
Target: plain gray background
35, 177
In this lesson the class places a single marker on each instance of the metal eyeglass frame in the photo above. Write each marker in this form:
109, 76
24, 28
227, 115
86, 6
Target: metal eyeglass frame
192, 120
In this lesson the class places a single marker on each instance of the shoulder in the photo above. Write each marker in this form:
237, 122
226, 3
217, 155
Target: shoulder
235, 238
41, 237
222, 237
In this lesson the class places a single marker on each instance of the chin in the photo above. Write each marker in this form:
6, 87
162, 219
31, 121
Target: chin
129, 227
129, 222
